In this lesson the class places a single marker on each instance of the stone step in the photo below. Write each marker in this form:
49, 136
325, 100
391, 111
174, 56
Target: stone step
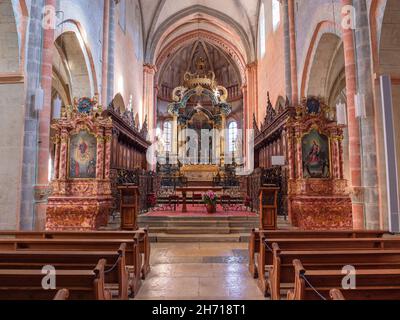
145, 218
200, 230
201, 224
211, 238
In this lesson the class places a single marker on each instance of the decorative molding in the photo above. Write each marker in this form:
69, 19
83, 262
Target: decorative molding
12, 78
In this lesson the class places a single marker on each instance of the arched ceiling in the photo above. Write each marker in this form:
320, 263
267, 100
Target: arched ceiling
165, 20
184, 60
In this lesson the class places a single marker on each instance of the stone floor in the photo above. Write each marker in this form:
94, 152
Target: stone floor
199, 271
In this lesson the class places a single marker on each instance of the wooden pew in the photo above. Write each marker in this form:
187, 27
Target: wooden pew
27, 284
141, 235
133, 257
115, 273
62, 295
265, 257
257, 237
282, 273
371, 284
336, 294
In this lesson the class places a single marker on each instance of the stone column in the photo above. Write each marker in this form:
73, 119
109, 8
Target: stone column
293, 52
111, 50
368, 139
106, 29
251, 73
246, 112
33, 65
353, 125
149, 72
42, 180
286, 42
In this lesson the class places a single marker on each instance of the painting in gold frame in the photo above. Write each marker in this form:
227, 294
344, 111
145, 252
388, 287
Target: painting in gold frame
316, 155
82, 155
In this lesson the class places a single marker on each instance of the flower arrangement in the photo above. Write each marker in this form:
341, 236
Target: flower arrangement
210, 198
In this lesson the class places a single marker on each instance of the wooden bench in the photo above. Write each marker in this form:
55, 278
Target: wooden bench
132, 256
371, 284
141, 235
115, 273
282, 273
62, 295
265, 257
257, 237
336, 294
27, 284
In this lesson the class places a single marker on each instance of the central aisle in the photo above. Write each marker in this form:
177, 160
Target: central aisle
199, 271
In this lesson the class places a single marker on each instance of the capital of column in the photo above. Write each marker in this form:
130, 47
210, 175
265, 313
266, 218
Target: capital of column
150, 68
252, 65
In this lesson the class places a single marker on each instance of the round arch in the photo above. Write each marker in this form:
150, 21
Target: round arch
73, 26
157, 35
324, 27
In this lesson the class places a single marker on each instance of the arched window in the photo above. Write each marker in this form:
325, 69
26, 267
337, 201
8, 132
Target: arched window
262, 42
233, 136
276, 13
168, 136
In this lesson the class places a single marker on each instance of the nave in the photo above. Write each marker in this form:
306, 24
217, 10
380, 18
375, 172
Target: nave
200, 271
199, 150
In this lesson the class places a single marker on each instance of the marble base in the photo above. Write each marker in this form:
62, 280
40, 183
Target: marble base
78, 214
321, 213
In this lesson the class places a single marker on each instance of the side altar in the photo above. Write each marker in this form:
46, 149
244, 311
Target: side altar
93, 147
313, 191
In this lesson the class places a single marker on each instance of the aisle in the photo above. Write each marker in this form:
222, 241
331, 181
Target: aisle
199, 271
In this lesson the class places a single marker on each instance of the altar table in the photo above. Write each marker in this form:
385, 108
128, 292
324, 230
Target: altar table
185, 190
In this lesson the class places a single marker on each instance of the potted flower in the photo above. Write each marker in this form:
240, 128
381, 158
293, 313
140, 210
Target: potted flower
210, 199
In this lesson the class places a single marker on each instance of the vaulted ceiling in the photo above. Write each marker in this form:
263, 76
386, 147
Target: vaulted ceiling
233, 20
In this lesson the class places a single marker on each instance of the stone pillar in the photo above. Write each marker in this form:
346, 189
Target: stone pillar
106, 29
353, 125
246, 112
42, 182
286, 42
149, 72
33, 65
251, 73
368, 137
111, 54
293, 52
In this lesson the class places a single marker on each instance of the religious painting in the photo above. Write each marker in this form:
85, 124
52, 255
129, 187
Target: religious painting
316, 160
82, 156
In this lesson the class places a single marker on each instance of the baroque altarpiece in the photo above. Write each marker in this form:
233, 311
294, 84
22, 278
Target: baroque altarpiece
313, 190
93, 148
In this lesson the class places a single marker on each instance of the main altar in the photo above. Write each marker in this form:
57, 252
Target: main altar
199, 138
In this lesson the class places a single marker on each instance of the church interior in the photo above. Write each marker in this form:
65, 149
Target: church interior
200, 150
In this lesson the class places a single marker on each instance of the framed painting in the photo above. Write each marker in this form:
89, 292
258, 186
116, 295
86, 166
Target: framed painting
82, 156
316, 156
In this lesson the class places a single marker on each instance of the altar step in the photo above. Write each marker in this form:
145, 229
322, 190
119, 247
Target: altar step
199, 229
203, 238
